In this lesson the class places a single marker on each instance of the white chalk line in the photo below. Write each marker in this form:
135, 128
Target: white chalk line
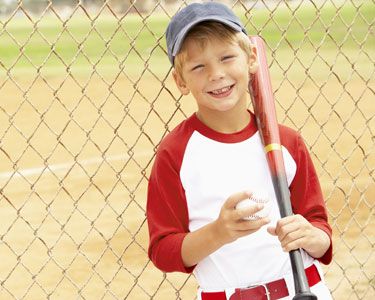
347, 182
66, 166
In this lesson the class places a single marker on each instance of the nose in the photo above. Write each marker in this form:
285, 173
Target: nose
216, 72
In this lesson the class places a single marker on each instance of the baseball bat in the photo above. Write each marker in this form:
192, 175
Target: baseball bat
265, 112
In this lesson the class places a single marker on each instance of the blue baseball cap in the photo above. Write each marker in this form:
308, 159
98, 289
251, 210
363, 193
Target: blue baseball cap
193, 14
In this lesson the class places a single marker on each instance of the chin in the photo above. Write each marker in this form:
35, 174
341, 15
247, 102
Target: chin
228, 106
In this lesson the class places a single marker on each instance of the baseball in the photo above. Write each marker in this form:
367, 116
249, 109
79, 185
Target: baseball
257, 197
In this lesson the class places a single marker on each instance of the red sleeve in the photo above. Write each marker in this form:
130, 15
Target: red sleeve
306, 194
167, 212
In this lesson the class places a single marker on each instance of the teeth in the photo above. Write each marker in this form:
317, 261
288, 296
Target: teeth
223, 90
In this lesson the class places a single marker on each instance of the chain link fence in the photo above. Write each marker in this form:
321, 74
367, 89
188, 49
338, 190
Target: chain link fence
86, 96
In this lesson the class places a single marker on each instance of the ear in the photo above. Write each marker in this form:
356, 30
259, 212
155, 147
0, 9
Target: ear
253, 60
180, 84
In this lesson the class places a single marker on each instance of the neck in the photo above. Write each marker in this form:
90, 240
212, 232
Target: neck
226, 122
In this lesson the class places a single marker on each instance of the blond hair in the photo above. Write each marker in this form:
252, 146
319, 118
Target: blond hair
205, 31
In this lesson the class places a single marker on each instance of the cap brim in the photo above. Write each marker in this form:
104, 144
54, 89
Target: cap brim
181, 36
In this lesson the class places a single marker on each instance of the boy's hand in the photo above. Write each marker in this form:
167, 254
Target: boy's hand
230, 224
296, 232
227, 228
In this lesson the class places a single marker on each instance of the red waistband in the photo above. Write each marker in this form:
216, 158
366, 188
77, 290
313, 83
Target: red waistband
277, 289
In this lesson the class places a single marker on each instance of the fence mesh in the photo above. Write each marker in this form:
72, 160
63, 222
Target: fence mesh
86, 96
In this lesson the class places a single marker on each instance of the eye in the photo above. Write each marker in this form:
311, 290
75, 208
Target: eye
197, 67
227, 57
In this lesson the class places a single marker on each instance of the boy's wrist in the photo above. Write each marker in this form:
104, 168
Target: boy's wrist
217, 235
198, 244
321, 243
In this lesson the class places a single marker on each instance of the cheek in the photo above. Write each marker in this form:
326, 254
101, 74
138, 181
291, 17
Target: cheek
240, 69
196, 82
246, 73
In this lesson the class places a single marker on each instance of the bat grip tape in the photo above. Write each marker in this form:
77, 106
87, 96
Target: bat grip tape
271, 147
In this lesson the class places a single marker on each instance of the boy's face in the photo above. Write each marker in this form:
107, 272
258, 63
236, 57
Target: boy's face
217, 75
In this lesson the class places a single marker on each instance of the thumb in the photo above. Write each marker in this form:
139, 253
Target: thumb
271, 230
235, 198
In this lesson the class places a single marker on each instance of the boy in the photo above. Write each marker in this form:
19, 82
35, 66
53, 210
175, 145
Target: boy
215, 159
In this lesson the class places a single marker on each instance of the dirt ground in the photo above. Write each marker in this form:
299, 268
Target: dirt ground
73, 177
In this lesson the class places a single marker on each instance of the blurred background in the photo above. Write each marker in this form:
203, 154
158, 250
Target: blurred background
86, 96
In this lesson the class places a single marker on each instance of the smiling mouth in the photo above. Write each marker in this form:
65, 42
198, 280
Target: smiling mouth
222, 92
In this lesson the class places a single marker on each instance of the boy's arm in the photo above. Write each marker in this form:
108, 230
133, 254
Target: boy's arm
167, 216
308, 201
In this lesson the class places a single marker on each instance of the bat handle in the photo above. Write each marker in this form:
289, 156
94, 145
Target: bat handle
301, 285
300, 281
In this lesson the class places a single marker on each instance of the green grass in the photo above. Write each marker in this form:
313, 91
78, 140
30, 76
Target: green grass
309, 22
54, 48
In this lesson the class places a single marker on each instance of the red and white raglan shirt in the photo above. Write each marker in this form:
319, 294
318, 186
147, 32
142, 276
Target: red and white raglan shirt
195, 170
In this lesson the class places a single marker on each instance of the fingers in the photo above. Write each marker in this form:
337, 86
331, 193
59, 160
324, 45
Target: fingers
244, 212
243, 228
271, 230
231, 225
293, 232
244, 225
236, 198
